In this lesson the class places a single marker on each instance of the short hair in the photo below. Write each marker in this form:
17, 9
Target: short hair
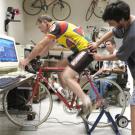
43, 18
116, 11
112, 41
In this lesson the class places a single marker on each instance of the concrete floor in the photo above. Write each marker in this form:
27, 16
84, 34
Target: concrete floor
59, 123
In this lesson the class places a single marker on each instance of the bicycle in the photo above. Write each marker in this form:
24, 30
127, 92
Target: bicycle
97, 8
61, 10
40, 111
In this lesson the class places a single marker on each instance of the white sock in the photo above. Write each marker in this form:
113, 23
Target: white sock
87, 100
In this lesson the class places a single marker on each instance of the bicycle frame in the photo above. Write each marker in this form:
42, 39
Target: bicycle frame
42, 109
98, 97
48, 5
44, 5
41, 78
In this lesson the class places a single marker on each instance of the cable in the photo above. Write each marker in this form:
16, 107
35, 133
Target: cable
68, 123
63, 122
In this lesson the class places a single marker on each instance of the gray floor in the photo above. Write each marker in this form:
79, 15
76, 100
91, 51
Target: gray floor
59, 123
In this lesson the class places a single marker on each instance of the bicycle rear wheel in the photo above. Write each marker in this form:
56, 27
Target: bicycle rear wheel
32, 7
35, 115
61, 10
99, 8
110, 99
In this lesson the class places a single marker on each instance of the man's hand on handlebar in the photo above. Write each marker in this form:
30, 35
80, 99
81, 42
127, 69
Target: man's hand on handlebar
23, 63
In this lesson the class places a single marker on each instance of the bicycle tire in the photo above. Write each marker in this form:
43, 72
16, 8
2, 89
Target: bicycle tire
99, 8
29, 9
61, 12
104, 122
41, 110
89, 12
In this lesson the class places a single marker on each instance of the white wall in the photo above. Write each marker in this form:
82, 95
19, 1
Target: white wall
78, 12
16, 29
27, 30
2, 15
79, 8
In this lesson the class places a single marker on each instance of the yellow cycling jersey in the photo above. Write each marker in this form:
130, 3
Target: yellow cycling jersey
69, 36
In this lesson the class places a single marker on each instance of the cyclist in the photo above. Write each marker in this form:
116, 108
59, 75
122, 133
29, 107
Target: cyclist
72, 37
118, 15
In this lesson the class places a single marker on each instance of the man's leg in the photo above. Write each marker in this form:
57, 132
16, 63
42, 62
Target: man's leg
76, 66
105, 84
62, 63
69, 76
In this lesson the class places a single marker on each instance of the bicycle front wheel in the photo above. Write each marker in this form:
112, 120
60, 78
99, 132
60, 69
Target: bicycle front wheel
61, 10
110, 95
32, 7
35, 113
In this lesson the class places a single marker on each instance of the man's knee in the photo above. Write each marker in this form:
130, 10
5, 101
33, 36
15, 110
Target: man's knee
68, 74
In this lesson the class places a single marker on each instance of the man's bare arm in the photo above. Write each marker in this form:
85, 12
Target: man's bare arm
42, 45
101, 40
98, 57
44, 52
104, 38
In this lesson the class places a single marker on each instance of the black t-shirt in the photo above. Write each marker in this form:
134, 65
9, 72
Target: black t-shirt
126, 51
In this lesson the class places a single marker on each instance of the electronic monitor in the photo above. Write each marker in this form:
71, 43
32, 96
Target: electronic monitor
8, 54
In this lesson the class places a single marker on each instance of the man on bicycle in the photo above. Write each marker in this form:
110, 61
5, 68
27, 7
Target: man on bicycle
68, 36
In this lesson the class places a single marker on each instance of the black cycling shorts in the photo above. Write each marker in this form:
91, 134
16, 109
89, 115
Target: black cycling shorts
80, 61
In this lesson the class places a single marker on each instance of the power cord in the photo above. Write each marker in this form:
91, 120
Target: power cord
63, 122
69, 123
